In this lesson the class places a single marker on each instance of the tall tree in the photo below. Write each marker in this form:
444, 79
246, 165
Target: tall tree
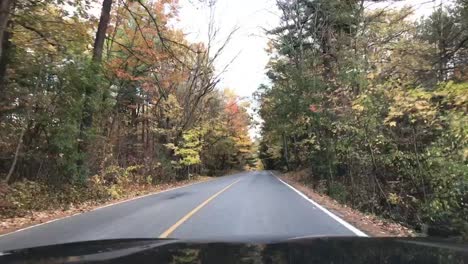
5, 43
90, 89
5, 7
102, 30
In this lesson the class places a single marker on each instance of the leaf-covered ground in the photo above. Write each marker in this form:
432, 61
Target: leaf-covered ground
32, 217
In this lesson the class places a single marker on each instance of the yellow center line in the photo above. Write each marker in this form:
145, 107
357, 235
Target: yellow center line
171, 229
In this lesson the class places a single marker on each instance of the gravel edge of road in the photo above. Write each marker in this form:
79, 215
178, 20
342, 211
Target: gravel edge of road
370, 224
33, 218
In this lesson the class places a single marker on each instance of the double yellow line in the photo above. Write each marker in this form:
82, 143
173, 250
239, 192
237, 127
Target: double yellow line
171, 229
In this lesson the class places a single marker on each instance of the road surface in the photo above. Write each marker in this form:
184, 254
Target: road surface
251, 204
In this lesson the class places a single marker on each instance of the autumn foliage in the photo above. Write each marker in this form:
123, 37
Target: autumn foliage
374, 103
143, 97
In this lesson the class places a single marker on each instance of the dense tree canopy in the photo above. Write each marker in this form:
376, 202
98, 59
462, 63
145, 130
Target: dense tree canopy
79, 94
375, 105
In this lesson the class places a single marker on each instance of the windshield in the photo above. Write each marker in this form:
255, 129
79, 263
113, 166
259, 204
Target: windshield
232, 120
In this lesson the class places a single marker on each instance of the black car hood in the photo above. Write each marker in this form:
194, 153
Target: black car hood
298, 250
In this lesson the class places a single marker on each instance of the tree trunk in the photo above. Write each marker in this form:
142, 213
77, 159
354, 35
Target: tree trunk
102, 29
5, 6
285, 152
327, 55
87, 117
4, 61
15, 159
5, 44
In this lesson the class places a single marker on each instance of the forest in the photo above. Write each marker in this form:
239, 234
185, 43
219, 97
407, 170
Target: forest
100, 97
90, 103
373, 104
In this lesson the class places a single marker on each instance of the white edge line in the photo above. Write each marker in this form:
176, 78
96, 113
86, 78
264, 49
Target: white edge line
339, 220
104, 206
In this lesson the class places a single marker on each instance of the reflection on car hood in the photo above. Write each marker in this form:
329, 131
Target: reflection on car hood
299, 250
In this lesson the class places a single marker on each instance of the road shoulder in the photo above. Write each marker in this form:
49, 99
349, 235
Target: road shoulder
369, 224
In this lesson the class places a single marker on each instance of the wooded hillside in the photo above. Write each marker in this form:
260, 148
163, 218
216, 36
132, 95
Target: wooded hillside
374, 102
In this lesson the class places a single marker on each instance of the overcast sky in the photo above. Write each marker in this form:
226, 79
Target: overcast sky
251, 16
248, 44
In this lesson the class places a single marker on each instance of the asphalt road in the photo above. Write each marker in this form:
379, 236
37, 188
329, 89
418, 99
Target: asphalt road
251, 204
